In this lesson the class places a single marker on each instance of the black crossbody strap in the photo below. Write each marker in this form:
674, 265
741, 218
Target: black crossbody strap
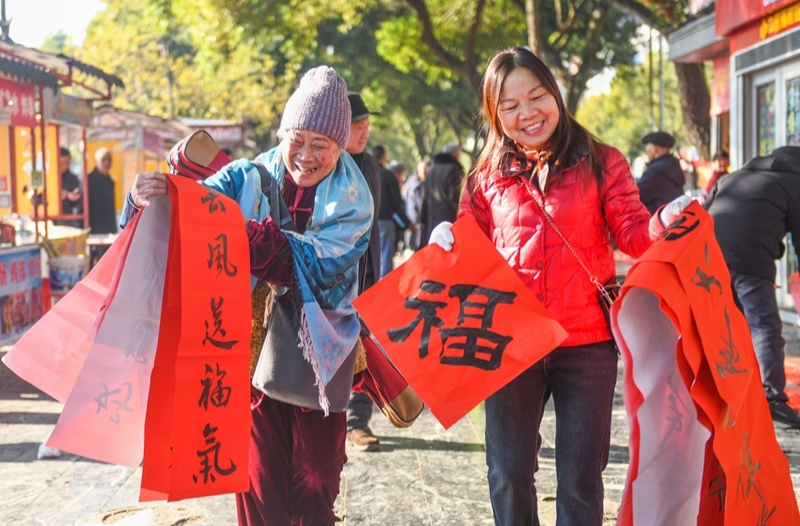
278, 210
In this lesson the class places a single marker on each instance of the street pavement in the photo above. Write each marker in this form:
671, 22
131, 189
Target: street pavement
423, 475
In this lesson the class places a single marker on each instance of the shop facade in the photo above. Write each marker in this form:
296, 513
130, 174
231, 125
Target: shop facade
755, 89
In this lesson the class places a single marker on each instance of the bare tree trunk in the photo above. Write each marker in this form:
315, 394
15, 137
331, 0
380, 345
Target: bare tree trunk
695, 106
533, 20
577, 83
419, 139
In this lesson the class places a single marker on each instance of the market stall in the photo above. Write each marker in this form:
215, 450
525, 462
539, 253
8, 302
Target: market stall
137, 143
37, 119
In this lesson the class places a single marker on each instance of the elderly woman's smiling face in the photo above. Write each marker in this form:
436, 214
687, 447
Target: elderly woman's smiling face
309, 156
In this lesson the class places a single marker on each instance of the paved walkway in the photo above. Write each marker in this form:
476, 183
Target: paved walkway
423, 475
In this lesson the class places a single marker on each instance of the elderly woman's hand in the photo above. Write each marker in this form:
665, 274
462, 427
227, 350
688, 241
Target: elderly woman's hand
147, 185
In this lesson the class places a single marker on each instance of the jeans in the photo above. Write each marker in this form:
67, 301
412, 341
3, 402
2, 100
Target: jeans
388, 244
757, 299
359, 411
581, 380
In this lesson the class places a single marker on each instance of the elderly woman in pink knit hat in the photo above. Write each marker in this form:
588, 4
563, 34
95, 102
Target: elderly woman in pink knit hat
297, 452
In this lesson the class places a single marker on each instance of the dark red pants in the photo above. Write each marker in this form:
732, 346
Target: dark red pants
296, 459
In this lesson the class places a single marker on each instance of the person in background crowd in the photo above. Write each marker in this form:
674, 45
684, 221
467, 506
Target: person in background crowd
102, 209
719, 166
297, 454
392, 211
102, 202
359, 409
753, 209
442, 189
71, 195
413, 193
663, 179
399, 171
538, 157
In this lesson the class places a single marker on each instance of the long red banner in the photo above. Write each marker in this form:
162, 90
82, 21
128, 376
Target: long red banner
197, 431
703, 447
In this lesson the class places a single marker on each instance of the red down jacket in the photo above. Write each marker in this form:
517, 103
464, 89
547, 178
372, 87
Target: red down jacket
513, 221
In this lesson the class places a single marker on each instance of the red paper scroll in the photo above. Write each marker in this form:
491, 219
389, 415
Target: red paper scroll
197, 430
104, 416
458, 325
703, 448
50, 354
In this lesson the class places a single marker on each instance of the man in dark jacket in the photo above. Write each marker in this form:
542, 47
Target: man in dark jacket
359, 410
663, 179
392, 212
753, 209
102, 207
71, 195
442, 190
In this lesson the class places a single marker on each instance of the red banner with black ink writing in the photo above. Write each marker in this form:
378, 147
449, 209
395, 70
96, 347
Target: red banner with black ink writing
149, 351
197, 432
458, 325
702, 447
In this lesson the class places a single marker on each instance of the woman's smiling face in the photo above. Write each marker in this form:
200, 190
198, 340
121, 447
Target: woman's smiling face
309, 156
528, 112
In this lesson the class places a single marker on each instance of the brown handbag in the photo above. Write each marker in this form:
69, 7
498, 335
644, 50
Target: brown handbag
386, 387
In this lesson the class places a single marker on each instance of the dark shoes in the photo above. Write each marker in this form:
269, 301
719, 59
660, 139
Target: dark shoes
782, 413
363, 440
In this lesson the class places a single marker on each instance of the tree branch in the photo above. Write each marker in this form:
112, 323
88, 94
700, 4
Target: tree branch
643, 13
589, 58
472, 36
443, 57
533, 19
559, 14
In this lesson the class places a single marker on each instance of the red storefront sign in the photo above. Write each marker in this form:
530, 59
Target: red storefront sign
17, 104
733, 14
748, 22
721, 86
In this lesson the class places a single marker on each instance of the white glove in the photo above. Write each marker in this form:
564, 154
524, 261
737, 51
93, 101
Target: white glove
673, 210
442, 235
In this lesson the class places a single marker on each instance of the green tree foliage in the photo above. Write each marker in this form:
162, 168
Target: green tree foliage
200, 64
622, 117
59, 42
666, 16
417, 116
442, 38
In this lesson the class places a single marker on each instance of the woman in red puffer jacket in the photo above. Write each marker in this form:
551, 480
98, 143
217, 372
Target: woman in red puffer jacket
536, 151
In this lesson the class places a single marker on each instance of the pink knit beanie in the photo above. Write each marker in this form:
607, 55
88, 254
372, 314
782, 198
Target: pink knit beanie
320, 104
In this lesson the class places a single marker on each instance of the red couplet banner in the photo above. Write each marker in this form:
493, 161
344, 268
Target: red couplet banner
197, 430
703, 448
458, 325
50, 354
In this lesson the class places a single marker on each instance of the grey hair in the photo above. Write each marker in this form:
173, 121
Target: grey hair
451, 148
396, 167
100, 153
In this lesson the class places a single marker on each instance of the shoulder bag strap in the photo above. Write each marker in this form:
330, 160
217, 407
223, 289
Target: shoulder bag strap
277, 206
540, 204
